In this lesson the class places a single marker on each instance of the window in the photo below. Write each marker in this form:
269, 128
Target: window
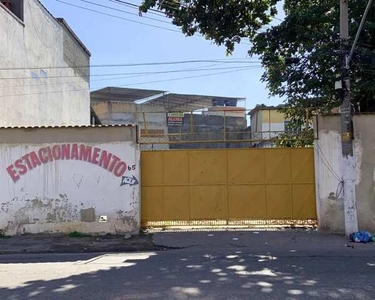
15, 6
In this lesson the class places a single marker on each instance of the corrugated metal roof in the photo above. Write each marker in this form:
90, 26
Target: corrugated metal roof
123, 94
264, 107
68, 126
183, 102
171, 101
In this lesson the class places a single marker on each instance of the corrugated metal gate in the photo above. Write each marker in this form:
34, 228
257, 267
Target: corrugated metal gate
228, 186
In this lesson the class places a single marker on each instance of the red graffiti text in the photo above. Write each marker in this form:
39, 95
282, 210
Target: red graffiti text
94, 155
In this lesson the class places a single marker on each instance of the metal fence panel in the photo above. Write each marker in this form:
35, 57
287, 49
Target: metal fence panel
228, 186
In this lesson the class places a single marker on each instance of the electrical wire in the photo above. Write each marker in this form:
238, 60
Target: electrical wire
134, 6
188, 77
339, 189
224, 61
125, 19
137, 6
140, 83
134, 73
341, 183
117, 17
176, 6
328, 165
128, 76
102, 79
125, 12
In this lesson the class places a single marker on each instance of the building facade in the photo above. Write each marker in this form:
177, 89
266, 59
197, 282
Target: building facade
267, 122
44, 68
69, 178
114, 106
329, 172
173, 121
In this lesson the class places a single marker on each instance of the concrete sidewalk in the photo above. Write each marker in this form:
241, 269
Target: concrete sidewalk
286, 241
42, 243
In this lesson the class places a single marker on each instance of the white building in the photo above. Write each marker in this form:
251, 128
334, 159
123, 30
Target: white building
44, 68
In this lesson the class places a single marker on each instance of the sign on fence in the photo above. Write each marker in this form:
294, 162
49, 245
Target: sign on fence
175, 119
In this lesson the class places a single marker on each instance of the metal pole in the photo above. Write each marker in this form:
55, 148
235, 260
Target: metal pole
269, 124
225, 127
191, 122
144, 122
307, 118
348, 161
369, 3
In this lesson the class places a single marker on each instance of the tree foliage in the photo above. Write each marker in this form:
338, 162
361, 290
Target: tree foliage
310, 35
223, 21
300, 139
300, 55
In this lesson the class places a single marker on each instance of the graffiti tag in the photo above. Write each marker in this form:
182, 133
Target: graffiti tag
127, 180
82, 152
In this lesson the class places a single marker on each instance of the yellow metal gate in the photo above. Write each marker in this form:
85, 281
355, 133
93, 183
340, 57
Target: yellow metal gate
228, 186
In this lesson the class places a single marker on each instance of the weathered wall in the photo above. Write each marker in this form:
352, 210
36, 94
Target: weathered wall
263, 122
256, 121
38, 91
122, 112
328, 172
64, 179
210, 128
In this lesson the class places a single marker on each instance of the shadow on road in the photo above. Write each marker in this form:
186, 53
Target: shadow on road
187, 274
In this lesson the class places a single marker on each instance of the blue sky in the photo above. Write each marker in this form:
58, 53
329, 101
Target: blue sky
118, 41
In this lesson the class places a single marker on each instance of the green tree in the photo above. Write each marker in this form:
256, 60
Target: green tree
225, 22
300, 55
302, 60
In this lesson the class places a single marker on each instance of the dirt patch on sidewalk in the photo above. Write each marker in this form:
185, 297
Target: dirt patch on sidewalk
43, 243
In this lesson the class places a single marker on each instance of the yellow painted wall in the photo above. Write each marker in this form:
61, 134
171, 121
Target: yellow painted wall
227, 185
272, 116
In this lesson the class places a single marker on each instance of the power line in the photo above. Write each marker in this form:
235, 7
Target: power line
134, 6
137, 7
121, 18
140, 83
94, 80
102, 79
328, 165
117, 17
150, 10
224, 61
189, 77
125, 12
118, 74
129, 75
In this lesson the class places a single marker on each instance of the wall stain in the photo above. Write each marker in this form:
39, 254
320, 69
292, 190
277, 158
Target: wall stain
332, 196
88, 215
44, 210
125, 219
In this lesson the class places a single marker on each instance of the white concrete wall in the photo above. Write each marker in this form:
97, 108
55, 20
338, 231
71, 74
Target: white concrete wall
54, 187
328, 172
280, 127
123, 112
256, 125
38, 93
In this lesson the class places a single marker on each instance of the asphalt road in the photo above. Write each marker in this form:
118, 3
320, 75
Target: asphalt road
192, 273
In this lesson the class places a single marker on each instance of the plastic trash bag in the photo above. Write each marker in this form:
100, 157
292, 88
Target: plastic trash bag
361, 237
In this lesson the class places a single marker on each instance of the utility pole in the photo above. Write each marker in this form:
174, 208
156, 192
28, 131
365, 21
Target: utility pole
348, 160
